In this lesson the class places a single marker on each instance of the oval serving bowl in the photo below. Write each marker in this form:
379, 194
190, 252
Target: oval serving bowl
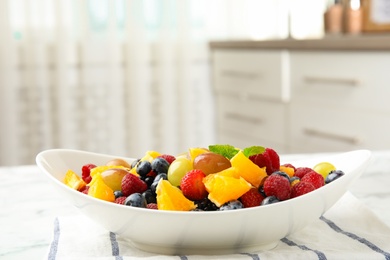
218, 232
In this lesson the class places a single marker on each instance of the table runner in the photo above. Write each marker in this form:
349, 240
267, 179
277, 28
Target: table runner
348, 230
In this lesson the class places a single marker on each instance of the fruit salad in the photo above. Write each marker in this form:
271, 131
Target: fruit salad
220, 177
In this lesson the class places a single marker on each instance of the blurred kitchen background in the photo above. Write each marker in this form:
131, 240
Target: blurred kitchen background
125, 76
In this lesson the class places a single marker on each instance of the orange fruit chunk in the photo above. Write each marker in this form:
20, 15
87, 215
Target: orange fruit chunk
170, 197
193, 152
230, 172
74, 181
100, 190
248, 170
223, 188
290, 171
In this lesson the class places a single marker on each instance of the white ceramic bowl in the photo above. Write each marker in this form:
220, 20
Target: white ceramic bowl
171, 232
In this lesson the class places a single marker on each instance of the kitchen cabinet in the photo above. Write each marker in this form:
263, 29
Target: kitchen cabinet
251, 97
301, 96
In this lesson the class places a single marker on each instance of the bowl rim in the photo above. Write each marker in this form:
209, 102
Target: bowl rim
40, 161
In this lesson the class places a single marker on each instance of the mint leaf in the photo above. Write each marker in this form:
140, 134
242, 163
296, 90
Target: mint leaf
253, 150
224, 149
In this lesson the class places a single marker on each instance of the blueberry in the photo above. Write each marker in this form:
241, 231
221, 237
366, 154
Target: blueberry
261, 190
118, 193
160, 165
148, 179
282, 174
269, 200
143, 168
134, 163
149, 196
135, 200
294, 178
333, 175
159, 176
206, 205
232, 205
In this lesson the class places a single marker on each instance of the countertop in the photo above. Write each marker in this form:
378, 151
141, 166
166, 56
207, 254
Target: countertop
363, 42
29, 205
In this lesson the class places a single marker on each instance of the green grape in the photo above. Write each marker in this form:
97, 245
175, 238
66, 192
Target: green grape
178, 169
211, 163
324, 168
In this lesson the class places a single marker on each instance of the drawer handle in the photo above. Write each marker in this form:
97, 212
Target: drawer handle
338, 81
239, 117
343, 138
240, 74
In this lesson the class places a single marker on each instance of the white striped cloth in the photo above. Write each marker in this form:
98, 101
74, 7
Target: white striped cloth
349, 230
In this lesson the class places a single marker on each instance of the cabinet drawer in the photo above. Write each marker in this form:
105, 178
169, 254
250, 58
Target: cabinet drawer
319, 129
347, 80
252, 120
260, 73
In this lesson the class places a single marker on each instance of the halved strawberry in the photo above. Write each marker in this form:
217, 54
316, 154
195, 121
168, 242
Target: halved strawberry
252, 198
192, 185
269, 159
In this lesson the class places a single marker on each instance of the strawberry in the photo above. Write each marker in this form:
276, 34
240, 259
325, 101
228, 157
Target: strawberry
314, 178
301, 188
302, 171
86, 172
192, 185
169, 158
268, 159
132, 184
278, 186
252, 198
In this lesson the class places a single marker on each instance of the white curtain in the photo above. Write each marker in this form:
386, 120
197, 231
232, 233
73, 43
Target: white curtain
118, 77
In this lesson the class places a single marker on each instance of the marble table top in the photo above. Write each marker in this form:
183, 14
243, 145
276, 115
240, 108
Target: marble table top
29, 205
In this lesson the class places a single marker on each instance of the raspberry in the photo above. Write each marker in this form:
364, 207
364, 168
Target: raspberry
192, 185
152, 206
278, 186
251, 198
169, 158
314, 178
268, 159
86, 172
301, 171
120, 200
132, 184
301, 188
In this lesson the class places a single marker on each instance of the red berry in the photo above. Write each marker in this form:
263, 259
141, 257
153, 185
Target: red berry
301, 188
278, 186
133, 184
86, 172
302, 171
251, 198
169, 158
192, 185
152, 206
314, 178
120, 200
85, 190
268, 159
